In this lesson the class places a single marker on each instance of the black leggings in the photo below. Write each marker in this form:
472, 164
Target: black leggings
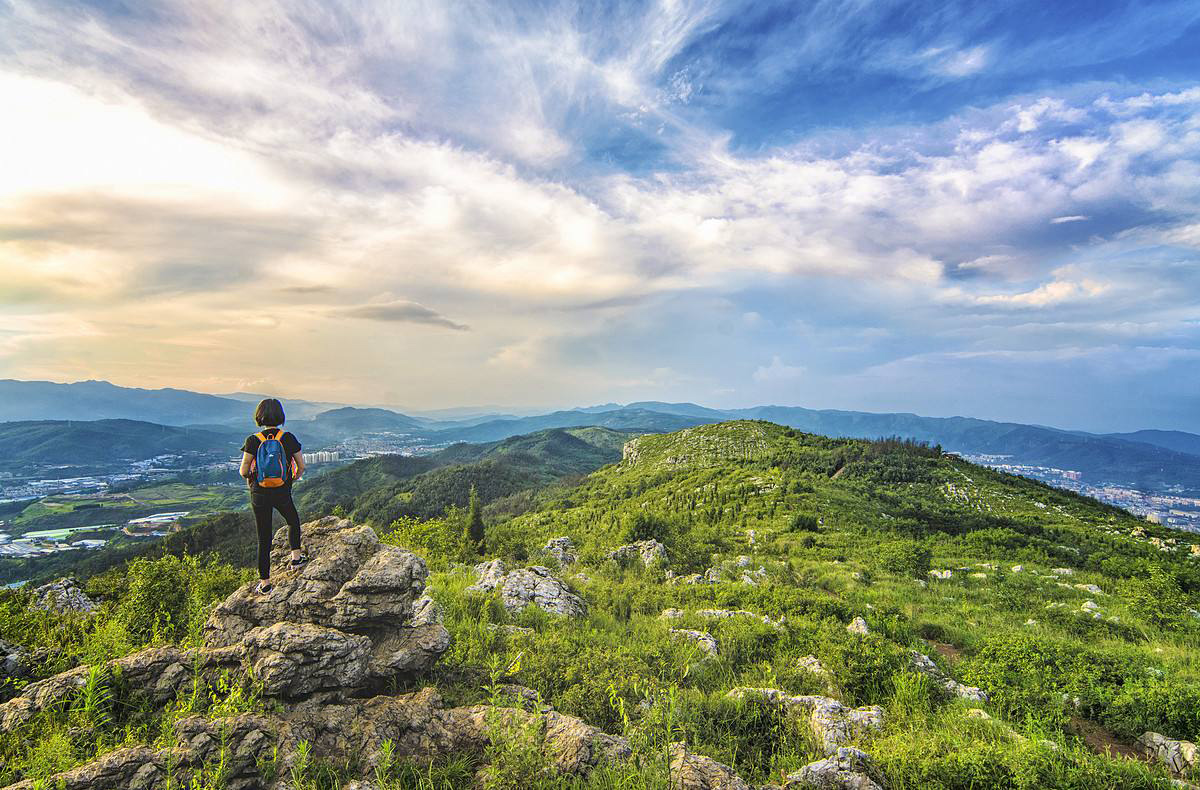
262, 519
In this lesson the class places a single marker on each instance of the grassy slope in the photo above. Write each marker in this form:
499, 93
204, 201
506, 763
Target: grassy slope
705, 488
835, 523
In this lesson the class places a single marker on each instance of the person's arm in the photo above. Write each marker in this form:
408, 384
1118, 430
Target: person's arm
298, 465
247, 462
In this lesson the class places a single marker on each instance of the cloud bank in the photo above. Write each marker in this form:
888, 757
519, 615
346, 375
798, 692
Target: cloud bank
604, 198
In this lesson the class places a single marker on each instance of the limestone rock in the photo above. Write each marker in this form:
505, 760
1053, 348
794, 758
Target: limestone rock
562, 549
62, 595
426, 611
858, 626
1089, 588
352, 582
532, 586
649, 552
845, 769
832, 723
813, 664
925, 665
1178, 756
697, 772
941, 574
296, 659
701, 639
12, 661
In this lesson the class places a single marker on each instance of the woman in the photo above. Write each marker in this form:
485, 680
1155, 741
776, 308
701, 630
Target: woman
271, 486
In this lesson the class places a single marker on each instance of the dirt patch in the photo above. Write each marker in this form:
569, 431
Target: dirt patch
947, 651
1101, 741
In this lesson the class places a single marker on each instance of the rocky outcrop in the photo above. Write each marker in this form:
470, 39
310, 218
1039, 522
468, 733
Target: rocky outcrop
701, 639
562, 549
924, 664
832, 723
846, 769
649, 552
697, 772
532, 586
347, 621
1178, 756
63, 595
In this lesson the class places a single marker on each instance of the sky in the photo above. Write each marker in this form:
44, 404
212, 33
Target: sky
985, 209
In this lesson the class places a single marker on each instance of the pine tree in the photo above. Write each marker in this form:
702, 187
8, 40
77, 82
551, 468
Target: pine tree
475, 520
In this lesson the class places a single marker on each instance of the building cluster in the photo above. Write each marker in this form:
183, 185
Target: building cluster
1171, 510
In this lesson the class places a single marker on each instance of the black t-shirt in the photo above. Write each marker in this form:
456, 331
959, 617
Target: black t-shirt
291, 446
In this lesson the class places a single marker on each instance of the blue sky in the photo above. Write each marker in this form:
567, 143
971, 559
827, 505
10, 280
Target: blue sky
947, 208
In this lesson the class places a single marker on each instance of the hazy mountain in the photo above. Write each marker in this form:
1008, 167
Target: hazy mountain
623, 419
351, 420
100, 400
102, 441
1179, 441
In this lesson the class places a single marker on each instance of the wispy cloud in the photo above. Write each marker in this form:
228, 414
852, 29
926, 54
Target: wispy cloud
400, 311
606, 191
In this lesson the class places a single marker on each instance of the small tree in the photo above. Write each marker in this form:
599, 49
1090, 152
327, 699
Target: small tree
475, 520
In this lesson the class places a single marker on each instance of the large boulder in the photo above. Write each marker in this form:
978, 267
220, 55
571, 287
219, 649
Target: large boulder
353, 618
297, 659
352, 582
62, 595
532, 586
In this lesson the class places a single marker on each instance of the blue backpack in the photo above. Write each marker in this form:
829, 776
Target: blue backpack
271, 463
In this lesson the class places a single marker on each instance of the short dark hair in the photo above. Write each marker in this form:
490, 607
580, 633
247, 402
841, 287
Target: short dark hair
269, 413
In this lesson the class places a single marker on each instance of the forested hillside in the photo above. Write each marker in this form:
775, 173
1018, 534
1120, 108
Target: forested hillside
737, 605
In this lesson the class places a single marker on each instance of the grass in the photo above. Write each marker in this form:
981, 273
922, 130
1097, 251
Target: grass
842, 528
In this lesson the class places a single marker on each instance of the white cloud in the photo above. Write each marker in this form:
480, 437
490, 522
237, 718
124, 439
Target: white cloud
777, 371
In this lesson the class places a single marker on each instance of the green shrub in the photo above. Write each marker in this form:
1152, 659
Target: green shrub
803, 522
1157, 598
906, 558
441, 541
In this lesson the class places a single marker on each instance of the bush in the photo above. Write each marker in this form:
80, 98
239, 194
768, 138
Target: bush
803, 522
167, 598
906, 558
440, 541
1157, 598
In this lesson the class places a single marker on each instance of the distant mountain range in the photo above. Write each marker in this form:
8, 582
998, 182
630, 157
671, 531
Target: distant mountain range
1149, 459
102, 441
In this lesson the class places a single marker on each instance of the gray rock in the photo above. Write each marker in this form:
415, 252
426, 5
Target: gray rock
846, 769
701, 639
297, 659
925, 665
858, 626
1178, 756
426, 611
532, 586
697, 772
832, 723
562, 549
650, 552
352, 582
62, 595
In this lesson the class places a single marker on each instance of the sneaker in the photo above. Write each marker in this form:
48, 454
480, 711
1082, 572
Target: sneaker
265, 587
300, 562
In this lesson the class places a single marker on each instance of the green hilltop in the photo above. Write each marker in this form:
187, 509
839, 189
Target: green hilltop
1013, 635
